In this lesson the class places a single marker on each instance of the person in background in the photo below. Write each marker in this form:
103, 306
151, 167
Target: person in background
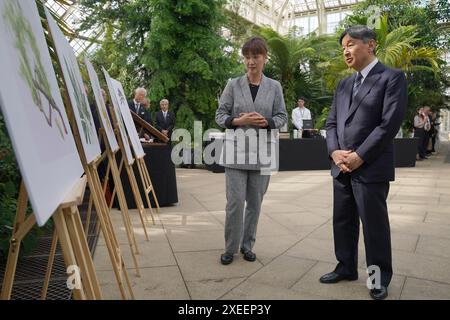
299, 114
146, 105
165, 119
419, 132
137, 105
434, 130
427, 128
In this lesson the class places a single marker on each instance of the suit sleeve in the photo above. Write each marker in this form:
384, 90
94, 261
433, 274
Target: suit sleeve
172, 121
331, 126
394, 108
148, 117
157, 123
224, 111
279, 113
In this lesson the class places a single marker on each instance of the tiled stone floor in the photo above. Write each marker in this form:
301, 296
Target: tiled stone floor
294, 243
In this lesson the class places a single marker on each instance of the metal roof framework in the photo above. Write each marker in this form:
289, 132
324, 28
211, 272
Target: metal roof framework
281, 15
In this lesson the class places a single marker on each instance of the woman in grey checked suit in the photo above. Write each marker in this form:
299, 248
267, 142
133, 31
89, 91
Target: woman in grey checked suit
250, 103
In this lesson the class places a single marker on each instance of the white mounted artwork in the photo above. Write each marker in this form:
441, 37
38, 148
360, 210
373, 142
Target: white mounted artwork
122, 130
33, 109
128, 119
101, 106
76, 90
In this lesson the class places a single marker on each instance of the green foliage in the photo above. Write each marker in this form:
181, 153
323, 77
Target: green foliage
412, 36
9, 191
175, 49
186, 56
291, 61
9, 180
125, 26
171, 47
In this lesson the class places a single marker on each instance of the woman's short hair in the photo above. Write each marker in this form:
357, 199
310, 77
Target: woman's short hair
255, 45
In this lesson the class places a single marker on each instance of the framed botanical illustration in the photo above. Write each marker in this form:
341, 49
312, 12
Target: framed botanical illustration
76, 91
118, 114
128, 120
33, 109
101, 106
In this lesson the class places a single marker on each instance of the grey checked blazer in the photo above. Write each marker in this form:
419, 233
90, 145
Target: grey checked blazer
237, 98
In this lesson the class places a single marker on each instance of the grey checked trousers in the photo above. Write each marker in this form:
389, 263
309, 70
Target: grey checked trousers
244, 188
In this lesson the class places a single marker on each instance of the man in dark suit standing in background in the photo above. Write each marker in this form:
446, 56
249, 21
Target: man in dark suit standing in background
137, 105
165, 119
366, 114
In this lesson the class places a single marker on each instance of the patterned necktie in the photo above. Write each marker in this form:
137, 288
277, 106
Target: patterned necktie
137, 107
357, 84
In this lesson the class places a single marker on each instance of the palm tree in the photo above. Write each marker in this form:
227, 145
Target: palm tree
396, 48
290, 62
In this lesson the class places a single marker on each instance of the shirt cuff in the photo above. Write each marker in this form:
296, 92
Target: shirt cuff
228, 123
271, 123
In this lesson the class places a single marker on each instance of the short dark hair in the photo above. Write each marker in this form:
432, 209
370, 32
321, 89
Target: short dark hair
301, 98
360, 32
255, 45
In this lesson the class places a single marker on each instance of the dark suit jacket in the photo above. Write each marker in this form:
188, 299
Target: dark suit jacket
165, 124
143, 113
369, 123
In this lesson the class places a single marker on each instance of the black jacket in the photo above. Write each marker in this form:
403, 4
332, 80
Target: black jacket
369, 123
142, 112
165, 124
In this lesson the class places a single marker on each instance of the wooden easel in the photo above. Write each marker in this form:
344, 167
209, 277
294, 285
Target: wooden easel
121, 197
101, 208
69, 231
129, 169
146, 183
95, 188
143, 171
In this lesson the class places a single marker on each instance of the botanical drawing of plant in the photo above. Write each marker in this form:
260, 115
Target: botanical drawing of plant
34, 75
82, 106
124, 101
104, 113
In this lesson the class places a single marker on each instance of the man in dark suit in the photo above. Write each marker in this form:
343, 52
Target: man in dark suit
165, 119
137, 105
366, 114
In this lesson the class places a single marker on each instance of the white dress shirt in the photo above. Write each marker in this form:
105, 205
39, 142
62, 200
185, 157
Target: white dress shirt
137, 105
300, 114
364, 72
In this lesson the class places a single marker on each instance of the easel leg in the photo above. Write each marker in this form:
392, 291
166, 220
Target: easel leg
108, 231
74, 221
88, 216
150, 184
21, 227
137, 198
51, 258
123, 209
67, 249
146, 187
113, 196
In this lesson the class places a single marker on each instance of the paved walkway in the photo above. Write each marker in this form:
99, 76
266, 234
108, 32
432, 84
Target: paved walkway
294, 243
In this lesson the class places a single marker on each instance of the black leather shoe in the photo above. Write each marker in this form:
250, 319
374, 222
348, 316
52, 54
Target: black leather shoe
226, 258
249, 256
334, 277
379, 294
